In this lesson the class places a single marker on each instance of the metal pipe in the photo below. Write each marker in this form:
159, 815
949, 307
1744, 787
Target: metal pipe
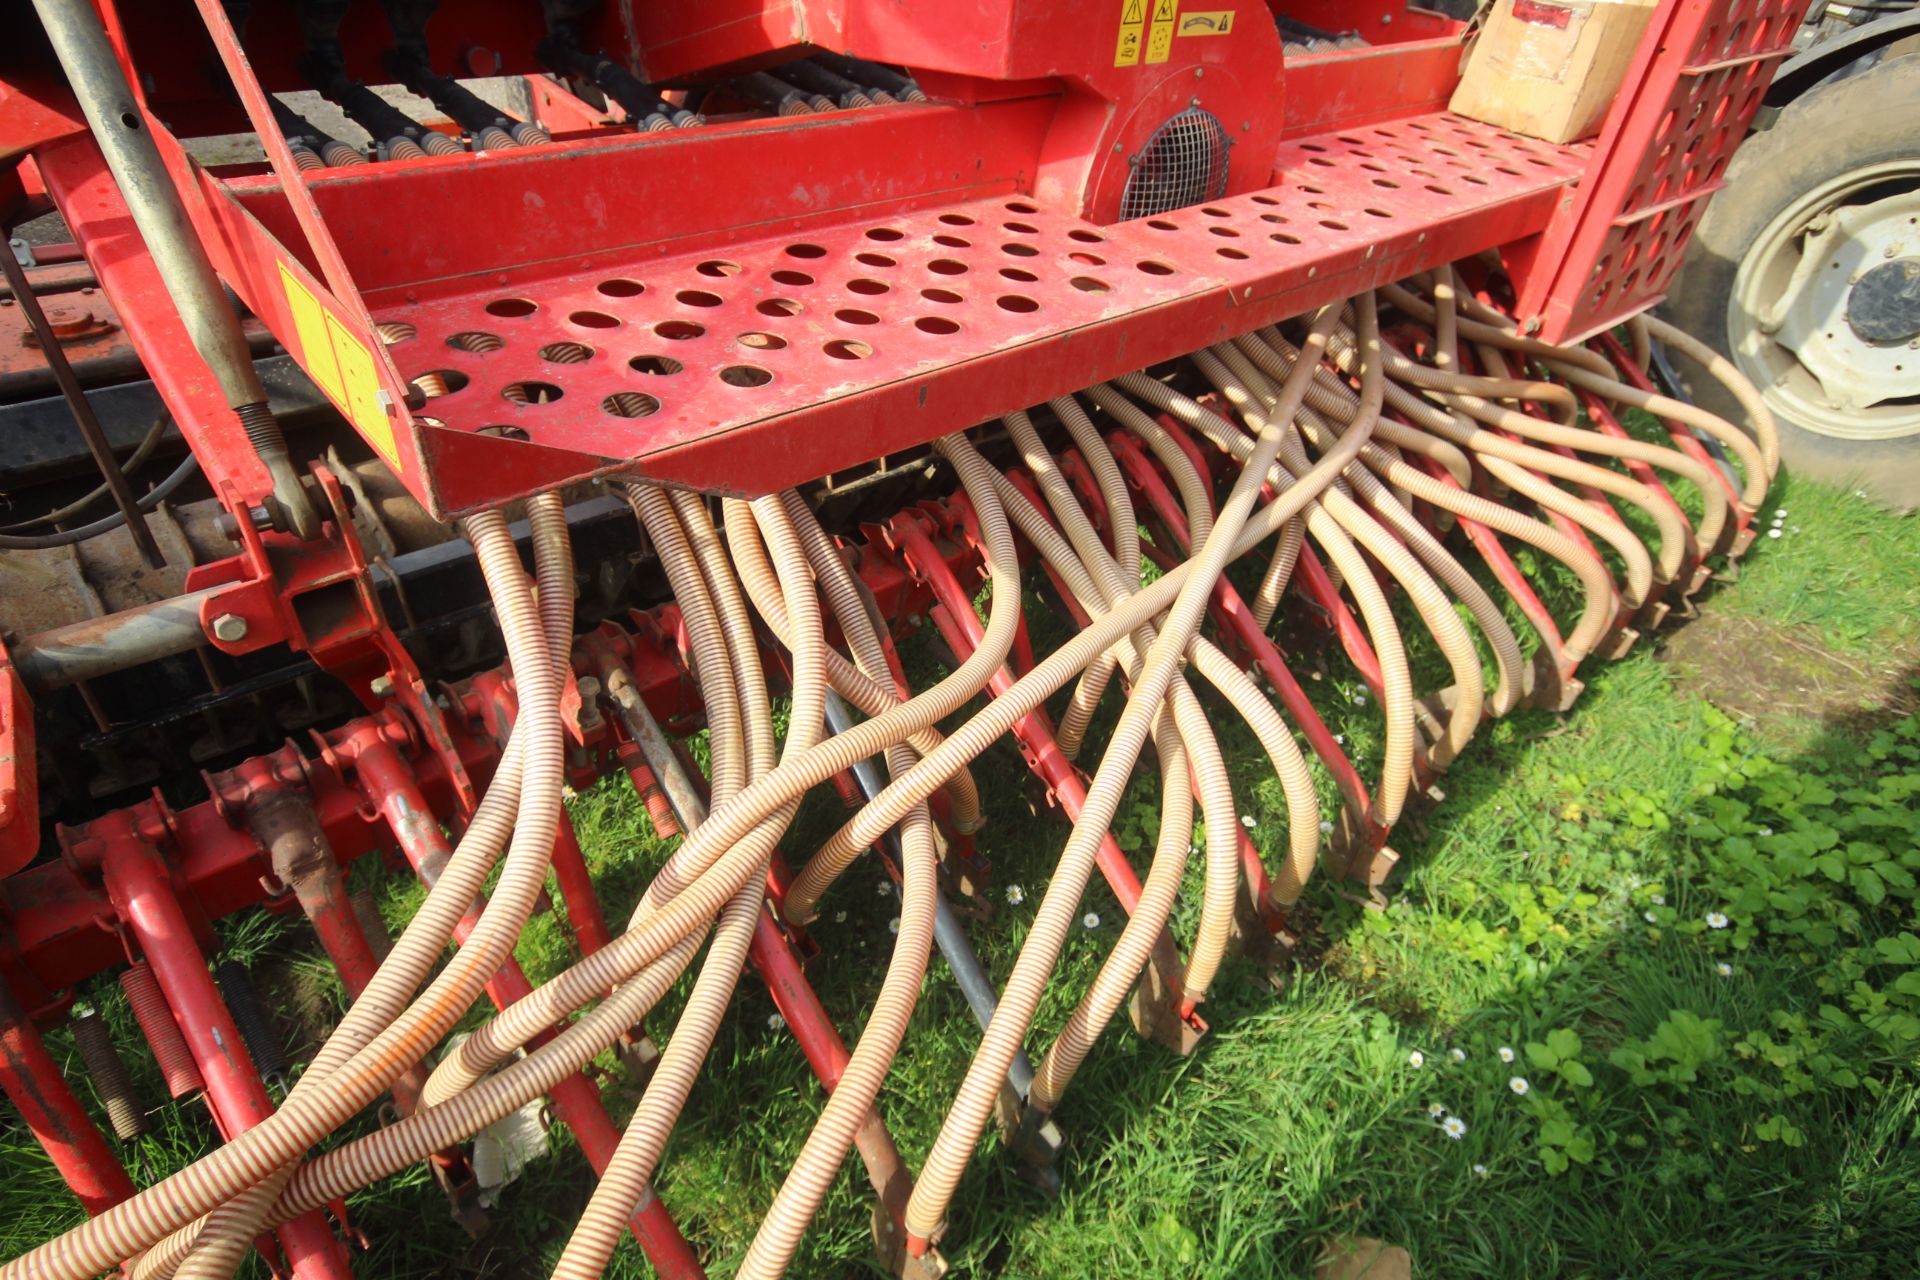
577, 894
142, 893
948, 933
770, 954
96, 647
82, 409
32, 1080
390, 784
303, 860
119, 127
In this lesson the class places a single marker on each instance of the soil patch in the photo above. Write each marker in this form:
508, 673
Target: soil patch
1756, 670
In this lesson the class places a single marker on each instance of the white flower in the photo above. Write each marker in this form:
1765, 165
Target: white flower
893, 925
1454, 1127
1091, 920
568, 793
1015, 895
1246, 820
1780, 514
1859, 493
1519, 1085
1480, 1171
1435, 1110
1766, 831
1649, 916
1793, 528
1416, 1059
1715, 920
1659, 899
1458, 1055
775, 1022
1724, 969
1506, 1054
1326, 827
885, 887
1774, 532
1340, 738
839, 917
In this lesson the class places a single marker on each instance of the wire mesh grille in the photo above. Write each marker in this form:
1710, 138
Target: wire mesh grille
1184, 163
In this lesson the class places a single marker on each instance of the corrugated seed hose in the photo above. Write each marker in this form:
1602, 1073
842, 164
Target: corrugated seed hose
1351, 455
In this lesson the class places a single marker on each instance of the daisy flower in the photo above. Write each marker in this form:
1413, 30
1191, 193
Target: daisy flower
1435, 1110
1458, 1055
884, 888
1454, 1127
839, 917
1416, 1059
1091, 920
1246, 820
1716, 920
1015, 895
893, 925
1506, 1054
1724, 969
1659, 899
775, 1022
1520, 1086
1480, 1171
1650, 917
1326, 827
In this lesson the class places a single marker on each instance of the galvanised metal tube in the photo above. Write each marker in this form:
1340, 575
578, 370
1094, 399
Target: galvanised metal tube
948, 933
80, 42
101, 646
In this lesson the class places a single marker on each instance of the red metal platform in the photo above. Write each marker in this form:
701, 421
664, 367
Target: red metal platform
715, 368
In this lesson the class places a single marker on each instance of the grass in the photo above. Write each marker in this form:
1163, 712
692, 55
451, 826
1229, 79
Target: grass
1300, 1118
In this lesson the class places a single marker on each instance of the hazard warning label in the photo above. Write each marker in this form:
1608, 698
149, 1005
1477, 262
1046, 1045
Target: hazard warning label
1160, 30
339, 365
1133, 29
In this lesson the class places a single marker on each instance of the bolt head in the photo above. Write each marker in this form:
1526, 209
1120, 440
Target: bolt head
229, 628
381, 686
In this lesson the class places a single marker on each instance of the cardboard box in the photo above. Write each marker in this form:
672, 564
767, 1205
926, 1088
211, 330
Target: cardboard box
1551, 68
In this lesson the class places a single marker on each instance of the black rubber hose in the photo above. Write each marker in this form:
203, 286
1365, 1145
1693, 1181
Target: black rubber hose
106, 524
74, 508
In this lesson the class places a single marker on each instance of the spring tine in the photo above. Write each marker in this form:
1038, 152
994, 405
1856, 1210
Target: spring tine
155, 1016
109, 1074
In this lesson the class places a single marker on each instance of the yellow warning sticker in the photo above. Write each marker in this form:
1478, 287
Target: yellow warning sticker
1166, 13
316, 347
1133, 26
340, 365
1215, 22
362, 379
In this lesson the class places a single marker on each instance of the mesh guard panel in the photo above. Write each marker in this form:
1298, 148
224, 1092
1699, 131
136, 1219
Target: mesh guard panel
1184, 163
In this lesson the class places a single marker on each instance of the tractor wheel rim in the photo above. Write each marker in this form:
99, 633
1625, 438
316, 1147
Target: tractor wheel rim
1787, 314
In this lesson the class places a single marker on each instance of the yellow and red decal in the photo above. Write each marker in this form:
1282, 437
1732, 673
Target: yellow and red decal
340, 365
